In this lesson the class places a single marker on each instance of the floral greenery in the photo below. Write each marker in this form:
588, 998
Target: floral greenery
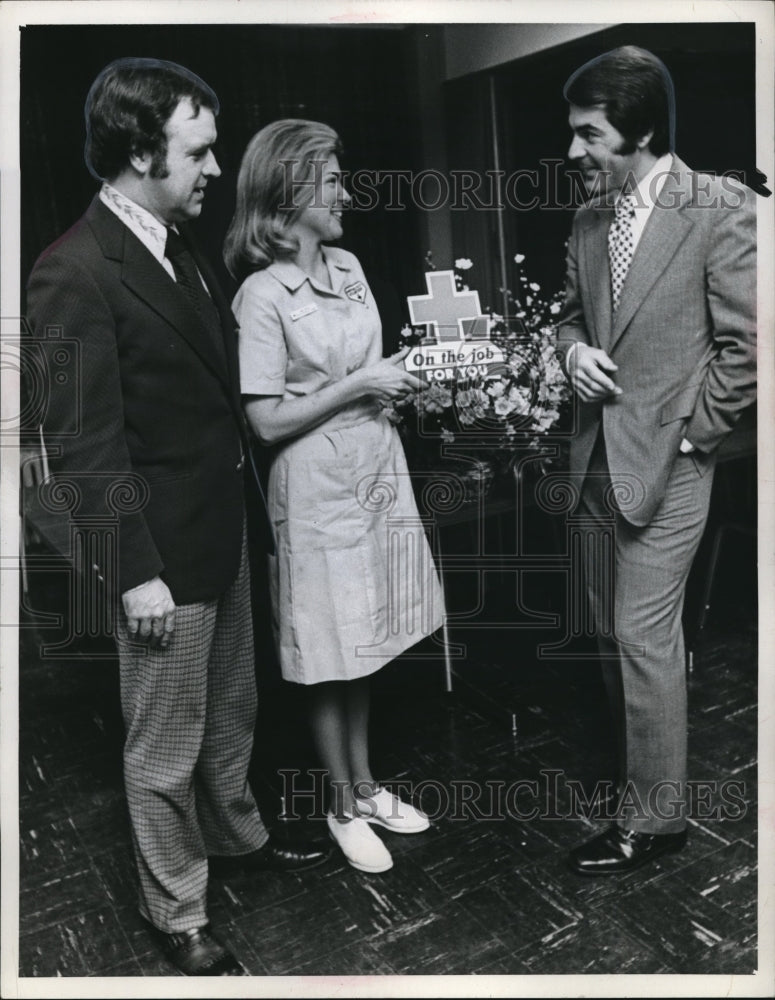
518, 402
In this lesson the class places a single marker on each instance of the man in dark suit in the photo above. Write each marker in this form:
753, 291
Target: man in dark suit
658, 340
160, 417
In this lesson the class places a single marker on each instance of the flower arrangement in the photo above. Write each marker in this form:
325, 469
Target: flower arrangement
516, 403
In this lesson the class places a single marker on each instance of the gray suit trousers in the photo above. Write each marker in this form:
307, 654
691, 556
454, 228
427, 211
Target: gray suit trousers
189, 713
640, 635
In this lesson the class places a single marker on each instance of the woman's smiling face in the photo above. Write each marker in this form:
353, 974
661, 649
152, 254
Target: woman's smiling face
321, 219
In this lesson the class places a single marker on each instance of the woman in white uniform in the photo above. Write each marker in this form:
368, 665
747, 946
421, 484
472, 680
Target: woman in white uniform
353, 581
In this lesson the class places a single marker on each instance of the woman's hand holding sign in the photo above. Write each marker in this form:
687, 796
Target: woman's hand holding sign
388, 380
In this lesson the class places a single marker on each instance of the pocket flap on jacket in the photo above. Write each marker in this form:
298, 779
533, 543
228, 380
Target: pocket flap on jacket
681, 405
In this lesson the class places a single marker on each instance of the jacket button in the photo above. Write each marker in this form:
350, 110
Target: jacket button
240, 465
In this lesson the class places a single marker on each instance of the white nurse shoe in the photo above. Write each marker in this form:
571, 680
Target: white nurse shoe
389, 811
360, 845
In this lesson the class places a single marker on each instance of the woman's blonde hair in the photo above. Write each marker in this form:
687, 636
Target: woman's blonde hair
276, 181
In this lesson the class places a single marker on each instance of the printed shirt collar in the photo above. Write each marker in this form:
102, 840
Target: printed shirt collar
146, 227
291, 275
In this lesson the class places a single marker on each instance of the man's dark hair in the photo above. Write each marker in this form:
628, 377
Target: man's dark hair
127, 108
636, 91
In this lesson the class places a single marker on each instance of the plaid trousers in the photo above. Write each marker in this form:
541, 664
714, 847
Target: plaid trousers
189, 712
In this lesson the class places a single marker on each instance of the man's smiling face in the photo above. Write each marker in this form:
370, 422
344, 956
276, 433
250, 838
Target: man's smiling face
605, 158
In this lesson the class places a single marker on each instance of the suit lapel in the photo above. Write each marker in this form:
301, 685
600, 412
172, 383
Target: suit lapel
148, 280
597, 273
227, 319
666, 229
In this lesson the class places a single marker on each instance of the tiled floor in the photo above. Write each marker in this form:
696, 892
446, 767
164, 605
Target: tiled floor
484, 891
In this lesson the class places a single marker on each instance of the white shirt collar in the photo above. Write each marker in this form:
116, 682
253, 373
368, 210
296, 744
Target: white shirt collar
649, 187
145, 226
646, 195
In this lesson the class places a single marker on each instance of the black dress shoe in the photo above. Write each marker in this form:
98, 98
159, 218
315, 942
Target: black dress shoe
199, 953
617, 851
275, 856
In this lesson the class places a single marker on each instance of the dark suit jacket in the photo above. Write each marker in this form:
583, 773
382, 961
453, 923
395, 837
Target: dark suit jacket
154, 441
683, 336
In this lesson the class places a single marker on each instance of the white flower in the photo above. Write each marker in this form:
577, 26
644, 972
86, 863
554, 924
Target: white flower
520, 400
534, 286
463, 264
504, 406
518, 258
554, 308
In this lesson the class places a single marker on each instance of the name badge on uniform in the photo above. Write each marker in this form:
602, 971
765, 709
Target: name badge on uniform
356, 291
303, 311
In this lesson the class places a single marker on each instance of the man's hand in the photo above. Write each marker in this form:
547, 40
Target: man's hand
150, 612
587, 367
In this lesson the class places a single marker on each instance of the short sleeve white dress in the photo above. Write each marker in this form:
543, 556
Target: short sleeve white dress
353, 581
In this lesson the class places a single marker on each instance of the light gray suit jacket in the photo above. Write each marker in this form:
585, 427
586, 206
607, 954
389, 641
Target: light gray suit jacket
683, 336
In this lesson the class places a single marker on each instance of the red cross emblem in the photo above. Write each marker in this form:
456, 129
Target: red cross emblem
448, 313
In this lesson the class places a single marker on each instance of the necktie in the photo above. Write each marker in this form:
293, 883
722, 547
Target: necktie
620, 244
184, 267
191, 285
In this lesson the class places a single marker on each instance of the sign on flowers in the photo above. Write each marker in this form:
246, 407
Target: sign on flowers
494, 379
458, 344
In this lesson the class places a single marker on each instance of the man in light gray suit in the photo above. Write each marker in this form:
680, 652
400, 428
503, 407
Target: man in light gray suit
658, 341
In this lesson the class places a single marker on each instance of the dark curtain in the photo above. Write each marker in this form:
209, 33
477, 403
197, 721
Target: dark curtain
474, 216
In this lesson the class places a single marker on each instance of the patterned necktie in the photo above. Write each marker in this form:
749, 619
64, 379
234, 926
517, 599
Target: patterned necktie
183, 265
620, 244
